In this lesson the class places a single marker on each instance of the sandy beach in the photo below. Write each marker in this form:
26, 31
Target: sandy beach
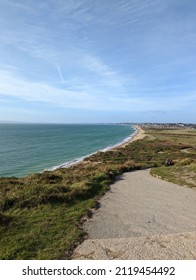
142, 217
139, 134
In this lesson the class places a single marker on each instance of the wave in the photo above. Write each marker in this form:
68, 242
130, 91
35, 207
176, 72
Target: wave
127, 139
77, 160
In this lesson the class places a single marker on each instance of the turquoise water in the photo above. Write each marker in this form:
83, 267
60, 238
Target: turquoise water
30, 148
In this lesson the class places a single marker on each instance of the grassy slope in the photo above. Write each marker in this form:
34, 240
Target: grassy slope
183, 172
40, 215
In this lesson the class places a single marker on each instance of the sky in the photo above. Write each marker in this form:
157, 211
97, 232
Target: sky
88, 61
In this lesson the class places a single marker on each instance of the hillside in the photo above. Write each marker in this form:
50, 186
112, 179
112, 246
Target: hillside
41, 215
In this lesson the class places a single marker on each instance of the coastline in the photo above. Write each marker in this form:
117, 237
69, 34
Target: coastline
43, 199
139, 133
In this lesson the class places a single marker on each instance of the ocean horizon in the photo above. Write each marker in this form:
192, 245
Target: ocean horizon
31, 148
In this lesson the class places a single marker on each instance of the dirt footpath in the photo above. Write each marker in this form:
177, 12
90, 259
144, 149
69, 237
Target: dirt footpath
142, 217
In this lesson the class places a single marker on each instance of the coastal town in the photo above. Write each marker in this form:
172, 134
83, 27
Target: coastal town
164, 125
169, 125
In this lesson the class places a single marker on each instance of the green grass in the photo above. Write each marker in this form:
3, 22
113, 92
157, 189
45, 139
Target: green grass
40, 215
43, 232
184, 174
184, 170
180, 136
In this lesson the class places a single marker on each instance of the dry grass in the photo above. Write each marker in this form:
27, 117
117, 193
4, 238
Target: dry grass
184, 170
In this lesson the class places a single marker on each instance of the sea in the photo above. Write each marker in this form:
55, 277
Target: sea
33, 148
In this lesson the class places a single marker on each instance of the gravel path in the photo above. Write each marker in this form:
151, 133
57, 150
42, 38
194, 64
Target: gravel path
142, 217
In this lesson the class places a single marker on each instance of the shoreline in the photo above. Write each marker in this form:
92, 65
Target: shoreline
43, 199
138, 134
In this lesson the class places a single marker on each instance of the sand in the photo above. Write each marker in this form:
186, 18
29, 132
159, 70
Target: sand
142, 217
139, 134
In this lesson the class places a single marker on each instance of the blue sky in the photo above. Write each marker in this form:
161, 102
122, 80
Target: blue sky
76, 61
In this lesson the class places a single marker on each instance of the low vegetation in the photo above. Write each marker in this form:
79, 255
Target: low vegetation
41, 215
183, 172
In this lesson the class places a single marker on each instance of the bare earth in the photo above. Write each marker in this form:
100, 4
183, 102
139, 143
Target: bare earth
142, 217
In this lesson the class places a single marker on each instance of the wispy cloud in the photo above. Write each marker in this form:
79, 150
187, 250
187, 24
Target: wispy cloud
60, 74
13, 86
115, 55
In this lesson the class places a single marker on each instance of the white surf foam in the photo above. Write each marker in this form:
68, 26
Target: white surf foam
77, 160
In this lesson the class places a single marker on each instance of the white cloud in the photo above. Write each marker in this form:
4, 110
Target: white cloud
122, 55
14, 86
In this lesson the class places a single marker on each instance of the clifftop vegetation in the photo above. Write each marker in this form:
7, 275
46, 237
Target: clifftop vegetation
41, 215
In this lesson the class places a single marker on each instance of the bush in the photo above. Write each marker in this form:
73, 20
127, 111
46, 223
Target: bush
4, 219
186, 161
